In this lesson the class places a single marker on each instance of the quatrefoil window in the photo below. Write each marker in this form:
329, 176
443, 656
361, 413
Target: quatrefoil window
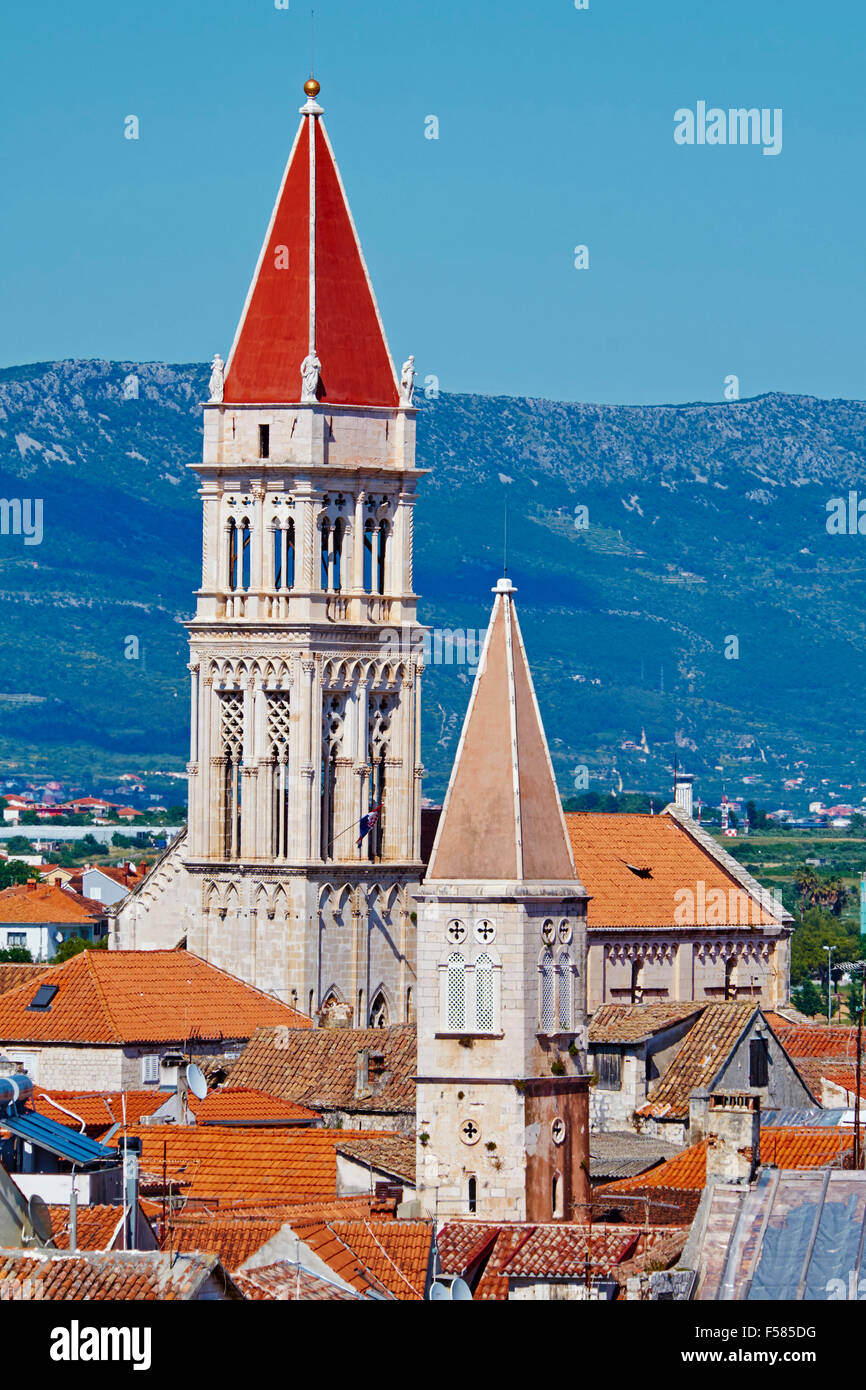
558, 1131
548, 932
470, 1132
485, 931
456, 931
565, 932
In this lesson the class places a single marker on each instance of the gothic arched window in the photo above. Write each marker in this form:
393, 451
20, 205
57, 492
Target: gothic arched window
546, 1002
566, 980
455, 993
379, 1012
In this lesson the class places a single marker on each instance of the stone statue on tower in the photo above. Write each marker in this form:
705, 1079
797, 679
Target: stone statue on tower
310, 370
407, 380
217, 380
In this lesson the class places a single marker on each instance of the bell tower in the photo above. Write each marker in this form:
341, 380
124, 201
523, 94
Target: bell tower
502, 1087
303, 719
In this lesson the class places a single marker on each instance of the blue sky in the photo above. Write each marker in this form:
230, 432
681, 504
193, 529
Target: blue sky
555, 129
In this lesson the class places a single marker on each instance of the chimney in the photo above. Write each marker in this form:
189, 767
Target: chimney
733, 1136
683, 791
362, 1073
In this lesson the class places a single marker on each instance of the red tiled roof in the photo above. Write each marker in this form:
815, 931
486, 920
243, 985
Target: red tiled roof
233, 1240
393, 1154
228, 1166
97, 1226
785, 1147
46, 902
239, 1105
625, 1023
564, 1250
112, 1275
141, 996
99, 1110
604, 847
817, 1040
11, 976
319, 1067
394, 1255
706, 1047
286, 1282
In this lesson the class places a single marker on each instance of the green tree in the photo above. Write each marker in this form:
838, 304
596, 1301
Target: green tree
19, 844
818, 929
858, 824
16, 955
74, 945
14, 871
808, 998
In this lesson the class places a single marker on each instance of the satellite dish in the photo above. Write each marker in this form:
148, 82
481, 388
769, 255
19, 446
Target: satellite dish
438, 1292
196, 1082
460, 1291
40, 1219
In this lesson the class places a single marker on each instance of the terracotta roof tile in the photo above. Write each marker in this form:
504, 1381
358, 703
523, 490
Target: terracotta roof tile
706, 1047
240, 1105
318, 1067
394, 1255
229, 1166
817, 1040
233, 1240
392, 1154
789, 1147
99, 1110
285, 1281
97, 1226
45, 902
112, 1275
141, 996
11, 976
625, 1023
544, 1250
605, 846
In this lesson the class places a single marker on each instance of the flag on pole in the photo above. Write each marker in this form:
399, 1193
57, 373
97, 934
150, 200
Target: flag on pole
368, 822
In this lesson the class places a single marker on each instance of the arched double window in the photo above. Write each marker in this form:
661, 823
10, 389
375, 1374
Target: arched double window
470, 993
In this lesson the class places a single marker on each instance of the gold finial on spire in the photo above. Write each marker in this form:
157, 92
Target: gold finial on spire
312, 87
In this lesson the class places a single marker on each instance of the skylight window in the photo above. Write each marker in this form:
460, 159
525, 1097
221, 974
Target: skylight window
43, 998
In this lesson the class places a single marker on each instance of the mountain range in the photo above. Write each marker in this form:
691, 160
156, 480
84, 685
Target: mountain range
679, 591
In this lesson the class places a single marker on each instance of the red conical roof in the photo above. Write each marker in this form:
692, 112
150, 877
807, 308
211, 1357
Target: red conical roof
502, 817
273, 336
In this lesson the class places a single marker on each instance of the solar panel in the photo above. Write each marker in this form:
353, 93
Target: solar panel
43, 997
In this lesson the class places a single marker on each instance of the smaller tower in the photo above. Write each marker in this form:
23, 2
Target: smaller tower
502, 1098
